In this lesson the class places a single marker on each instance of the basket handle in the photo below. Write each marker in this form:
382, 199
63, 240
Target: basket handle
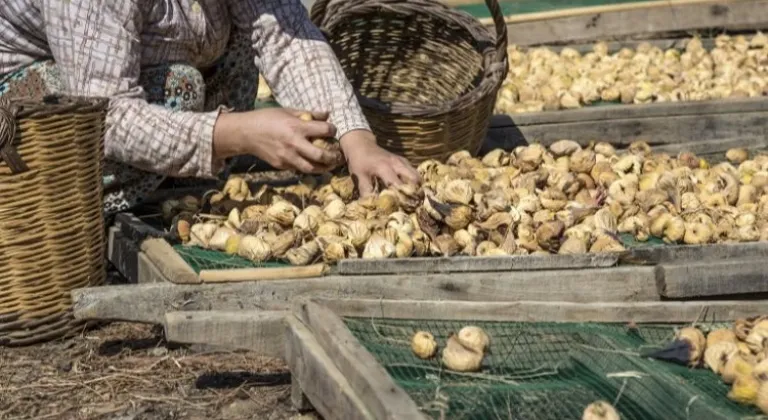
8, 152
501, 29
318, 10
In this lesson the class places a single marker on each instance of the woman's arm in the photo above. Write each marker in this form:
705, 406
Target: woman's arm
96, 46
304, 73
297, 62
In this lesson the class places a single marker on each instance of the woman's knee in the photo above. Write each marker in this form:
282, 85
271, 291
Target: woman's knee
34, 81
180, 87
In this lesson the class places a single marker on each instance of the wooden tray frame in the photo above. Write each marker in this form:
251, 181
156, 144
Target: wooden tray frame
652, 273
662, 23
249, 315
337, 376
642, 20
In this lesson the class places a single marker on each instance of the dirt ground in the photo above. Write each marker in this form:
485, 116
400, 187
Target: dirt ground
126, 372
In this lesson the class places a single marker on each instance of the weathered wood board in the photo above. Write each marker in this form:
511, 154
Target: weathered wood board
368, 379
639, 20
322, 319
258, 331
150, 302
476, 264
713, 278
688, 253
627, 276
315, 377
658, 124
125, 238
648, 312
262, 330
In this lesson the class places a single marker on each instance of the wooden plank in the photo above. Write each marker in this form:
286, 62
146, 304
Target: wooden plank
299, 399
173, 267
263, 274
687, 253
667, 17
623, 131
383, 398
712, 147
633, 111
262, 332
314, 375
663, 41
649, 312
605, 8
123, 253
147, 272
150, 302
136, 229
475, 264
713, 278
124, 250
111, 231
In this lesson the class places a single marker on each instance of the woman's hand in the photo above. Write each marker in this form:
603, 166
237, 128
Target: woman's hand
367, 161
277, 136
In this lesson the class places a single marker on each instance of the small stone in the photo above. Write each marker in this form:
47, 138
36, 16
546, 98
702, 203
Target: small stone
159, 351
64, 365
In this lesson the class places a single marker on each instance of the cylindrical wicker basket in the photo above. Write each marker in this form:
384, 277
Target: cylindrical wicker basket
426, 75
51, 221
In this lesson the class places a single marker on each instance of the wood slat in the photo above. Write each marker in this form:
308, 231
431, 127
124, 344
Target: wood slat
648, 312
262, 332
150, 302
583, 24
623, 131
371, 382
688, 253
634, 111
713, 147
713, 278
173, 267
475, 264
123, 253
316, 377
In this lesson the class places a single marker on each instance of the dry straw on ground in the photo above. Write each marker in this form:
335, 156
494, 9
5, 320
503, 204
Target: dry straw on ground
125, 371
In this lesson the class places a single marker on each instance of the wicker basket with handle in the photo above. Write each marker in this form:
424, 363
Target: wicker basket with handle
426, 75
51, 221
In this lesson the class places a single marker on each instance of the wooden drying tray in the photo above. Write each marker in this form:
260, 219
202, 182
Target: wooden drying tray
332, 372
704, 127
250, 314
639, 274
646, 19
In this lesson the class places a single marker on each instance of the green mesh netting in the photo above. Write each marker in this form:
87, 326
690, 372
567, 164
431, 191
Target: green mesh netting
204, 259
552, 371
517, 7
629, 241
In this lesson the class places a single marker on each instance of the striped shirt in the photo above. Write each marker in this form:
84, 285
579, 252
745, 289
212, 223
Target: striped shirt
100, 46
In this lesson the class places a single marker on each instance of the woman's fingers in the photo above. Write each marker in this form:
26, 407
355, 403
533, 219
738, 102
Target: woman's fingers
320, 116
306, 166
317, 129
313, 153
316, 115
388, 175
364, 186
406, 172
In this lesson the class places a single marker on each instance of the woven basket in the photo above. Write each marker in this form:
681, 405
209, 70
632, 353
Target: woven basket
426, 75
51, 222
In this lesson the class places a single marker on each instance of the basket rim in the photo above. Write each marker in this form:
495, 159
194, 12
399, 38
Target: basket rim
493, 70
57, 104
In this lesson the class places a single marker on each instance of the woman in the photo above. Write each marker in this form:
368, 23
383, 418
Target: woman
174, 68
